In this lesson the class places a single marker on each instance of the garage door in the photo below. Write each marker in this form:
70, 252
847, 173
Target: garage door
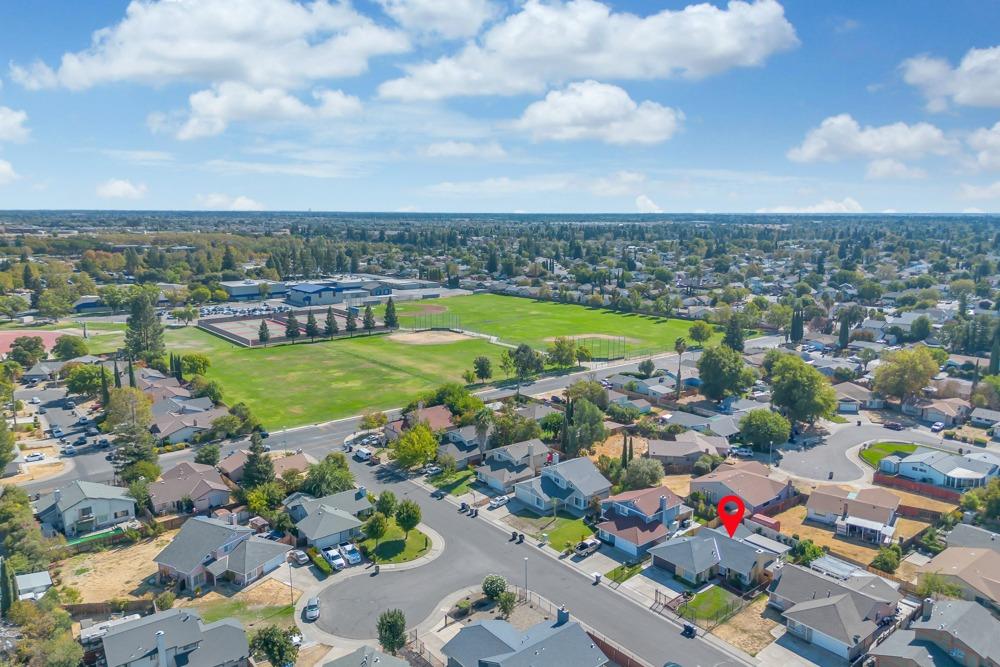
659, 562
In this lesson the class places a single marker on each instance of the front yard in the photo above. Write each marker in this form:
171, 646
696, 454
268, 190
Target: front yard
562, 529
625, 571
707, 607
270, 602
879, 450
457, 484
395, 546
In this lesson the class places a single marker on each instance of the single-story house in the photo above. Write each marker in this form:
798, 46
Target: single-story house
183, 426
352, 501
504, 467
200, 543
869, 514
32, 586
976, 572
950, 411
698, 558
437, 417
967, 535
173, 638
681, 453
945, 633
323, 524
83, 507
984, 417
747, 479
635, 521
852, 398
249, 561
232, 466
197, 483
44, 370
932, 466
569, 485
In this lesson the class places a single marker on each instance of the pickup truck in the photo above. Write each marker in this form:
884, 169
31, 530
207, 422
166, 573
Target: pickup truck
587, 547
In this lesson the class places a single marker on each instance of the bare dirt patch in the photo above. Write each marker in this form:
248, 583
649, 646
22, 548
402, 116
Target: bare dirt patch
312, 656
36, 471
750, 630
121, 572
267, 593
427, 309
613, 447
679, 484
428, 337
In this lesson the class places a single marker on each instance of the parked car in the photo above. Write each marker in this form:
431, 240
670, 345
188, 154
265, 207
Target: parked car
103, 443
80, 441
334, 558
57, 432
432, 470
894, 426
937, 426
34, 456
587, 546
362, 453
350, 552
743, 451
70, 403
92, 431
69, 450
311, 612
83, 420
499, 501
298, 556
689, 630
35, 400
42, 410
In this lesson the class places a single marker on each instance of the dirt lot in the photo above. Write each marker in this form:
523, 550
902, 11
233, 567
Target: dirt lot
613, 447
750, 630
913, 500
428, 337
679, 484
115, 573
312, 656
267, 593
36, 471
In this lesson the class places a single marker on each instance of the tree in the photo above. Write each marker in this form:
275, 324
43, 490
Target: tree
352, 322
587, 424
592, 390
920, 328
85, 379
994, 368
131, 374
138, 490
562, 352
54, 304
195, 363
392, 630
800, 390
507, 364
642, 473
845, 334
312, 327
376, 526
933, 584
408, 516
263, 333
8, 448
373, 419
493, 586
483, 368
200, 294
680, 347
27, 350
887, 558
506, 601
733, 337
386, 503
905, 373
806, 552
416, 446
129, 407
292, 327
202, 386
762, 427
105, 391
330, 326
69, 347
723, 373
275, 645
208, 455
11, 305
647, 367
143, 329
527, 363
368, 320
185, 314
700, 332
259, 468
391, 318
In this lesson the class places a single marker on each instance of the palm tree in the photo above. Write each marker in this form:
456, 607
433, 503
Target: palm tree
483, 420
680, 346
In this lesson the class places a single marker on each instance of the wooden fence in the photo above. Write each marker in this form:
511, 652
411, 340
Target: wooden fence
88, 609
919, 488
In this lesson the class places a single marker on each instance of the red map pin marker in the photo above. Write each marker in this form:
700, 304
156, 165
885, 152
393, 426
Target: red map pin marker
731, 517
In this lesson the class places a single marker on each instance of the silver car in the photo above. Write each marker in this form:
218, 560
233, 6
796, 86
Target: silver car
311, 611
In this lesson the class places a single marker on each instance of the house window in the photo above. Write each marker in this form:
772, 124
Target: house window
122, 513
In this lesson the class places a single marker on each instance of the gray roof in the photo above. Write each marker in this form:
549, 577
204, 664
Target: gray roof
964, 535
325, 520
697, 553
906, 646
366, 656
32, 580
986, 413
582, 474
967, 621
217, 643
249, 555
798, 584
497, 643
197, 538
77, 491
836, 616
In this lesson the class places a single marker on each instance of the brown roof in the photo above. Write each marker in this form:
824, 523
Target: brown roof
978, 568
871, 504
647, 501
186, 480
747, 479
633, 529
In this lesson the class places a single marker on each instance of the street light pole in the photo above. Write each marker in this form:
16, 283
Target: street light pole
526, 578
770, 453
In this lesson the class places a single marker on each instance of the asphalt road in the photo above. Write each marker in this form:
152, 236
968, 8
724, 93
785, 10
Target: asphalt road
475, 548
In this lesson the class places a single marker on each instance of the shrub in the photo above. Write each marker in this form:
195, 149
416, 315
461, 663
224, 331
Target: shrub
164, 600
462, 608
317, 558
949, 435
980, 441
493, 586
506, 601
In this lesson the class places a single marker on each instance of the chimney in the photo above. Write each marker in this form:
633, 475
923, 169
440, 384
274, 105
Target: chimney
663, 510
57, 495
828, 592
926, 609
161, 650
562, 616
362, 492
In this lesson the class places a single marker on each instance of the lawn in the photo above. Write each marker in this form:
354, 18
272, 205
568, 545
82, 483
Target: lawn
624, 571
519, 320
392, 548
457, 484
708, 605
562, 529
879, 450
246, 613
291, 385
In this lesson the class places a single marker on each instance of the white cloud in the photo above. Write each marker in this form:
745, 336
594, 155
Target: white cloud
845, 205
141, 157
991, 191
213, 110
889, 169
644, 204
119, 188
451, 19
12, 125
222, 202
465, 149
264, 43
504, 185
986, 143
7, 173
593, 110
841, 136
308, 169
553, 42
619, 184
975, 82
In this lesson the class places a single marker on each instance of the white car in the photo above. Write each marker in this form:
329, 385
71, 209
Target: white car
34, 456
334, 558
350, 552
499, 501
35, 400
937, 426
432, 470
311, 612
298, 556
743, 451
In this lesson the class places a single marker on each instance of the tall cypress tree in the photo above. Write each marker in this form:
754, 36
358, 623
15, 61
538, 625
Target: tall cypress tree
624, 460
391, 319
331, 326
105, 392
631, 451
131, 374
118, 376
263, 333
845, 334
995, 354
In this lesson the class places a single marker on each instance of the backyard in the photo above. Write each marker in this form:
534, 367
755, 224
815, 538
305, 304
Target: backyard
874, 453
395, 546
561, 529
750, 629
793, 523
122, 572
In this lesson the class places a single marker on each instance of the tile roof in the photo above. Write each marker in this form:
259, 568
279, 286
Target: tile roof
197, 539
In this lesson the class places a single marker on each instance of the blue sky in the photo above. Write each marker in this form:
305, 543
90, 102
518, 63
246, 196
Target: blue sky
486, 105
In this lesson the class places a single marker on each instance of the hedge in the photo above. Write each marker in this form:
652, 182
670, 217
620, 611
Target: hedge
319, 561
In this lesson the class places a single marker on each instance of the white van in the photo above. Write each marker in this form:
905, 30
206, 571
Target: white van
362, 453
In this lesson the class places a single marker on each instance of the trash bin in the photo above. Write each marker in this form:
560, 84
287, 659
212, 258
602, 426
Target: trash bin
596, 576
376, 569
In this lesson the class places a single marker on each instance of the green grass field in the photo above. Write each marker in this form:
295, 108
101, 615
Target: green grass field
519, 320
874, 453
249, 615
457, 484
305, 383
710, 604
392, 548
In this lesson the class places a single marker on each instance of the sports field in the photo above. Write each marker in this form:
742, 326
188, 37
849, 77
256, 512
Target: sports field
519, 320
305, 383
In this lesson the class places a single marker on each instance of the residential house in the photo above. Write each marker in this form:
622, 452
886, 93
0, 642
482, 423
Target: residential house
569, 485
868, 514
747, 479
680, 454
44, 370
947, 633
843, 616
504, 467
232, 465
933, 466
634, 521
32, 586
852, 398
366, 656
562, 642
950, 411
83, 507
189, 420
462, 444
187, 487
352, 501
175, 638
437, 417
984, 418
200, 543
976, 572
249, 561
330, 520
966, 535
711, 553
